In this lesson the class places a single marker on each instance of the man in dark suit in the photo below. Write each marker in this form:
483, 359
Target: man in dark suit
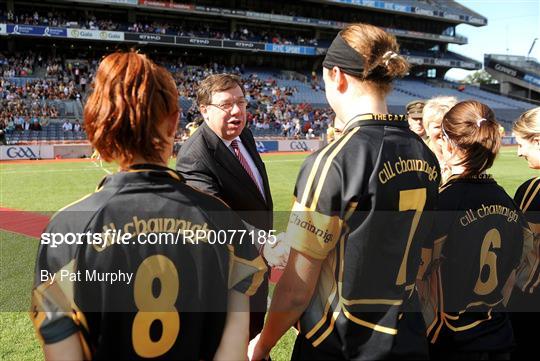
221, 159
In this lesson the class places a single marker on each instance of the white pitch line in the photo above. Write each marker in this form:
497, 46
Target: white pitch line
101, 167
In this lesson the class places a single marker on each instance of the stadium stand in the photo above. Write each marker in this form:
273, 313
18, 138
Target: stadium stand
517, 76
275, 46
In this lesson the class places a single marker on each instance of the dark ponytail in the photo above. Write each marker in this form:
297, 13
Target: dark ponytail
471, 126
380, 53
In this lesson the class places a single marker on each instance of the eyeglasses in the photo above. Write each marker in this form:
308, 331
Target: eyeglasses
228, 106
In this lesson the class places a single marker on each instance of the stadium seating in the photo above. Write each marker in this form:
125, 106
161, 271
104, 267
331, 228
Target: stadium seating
50, 133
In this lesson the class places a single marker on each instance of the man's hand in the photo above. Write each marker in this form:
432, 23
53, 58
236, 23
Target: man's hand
277, 253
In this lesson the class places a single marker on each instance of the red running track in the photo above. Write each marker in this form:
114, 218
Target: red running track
30, 224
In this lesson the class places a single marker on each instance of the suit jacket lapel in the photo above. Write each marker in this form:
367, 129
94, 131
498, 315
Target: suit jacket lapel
227, 159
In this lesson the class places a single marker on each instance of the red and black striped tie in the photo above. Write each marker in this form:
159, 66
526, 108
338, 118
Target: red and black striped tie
245, 164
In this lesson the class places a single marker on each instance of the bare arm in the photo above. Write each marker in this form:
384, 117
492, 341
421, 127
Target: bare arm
67, 349
291, 297
234, 342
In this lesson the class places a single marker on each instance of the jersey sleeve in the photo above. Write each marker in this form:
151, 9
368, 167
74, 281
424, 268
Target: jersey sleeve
442, 219
528, 277
53, 310
320, 206
246, 269
527, 198
246, 266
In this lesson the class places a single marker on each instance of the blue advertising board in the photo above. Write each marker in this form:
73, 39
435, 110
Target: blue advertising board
290, 49
264, 146
35, 30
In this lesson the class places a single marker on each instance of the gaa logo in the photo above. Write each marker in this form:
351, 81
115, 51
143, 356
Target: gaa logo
103, 35
260, 147
75, 33
20, 152
299, 146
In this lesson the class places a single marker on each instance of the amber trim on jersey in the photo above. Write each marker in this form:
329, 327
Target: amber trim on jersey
374, 326
315, 168
399, 120
444, 319
256, 278
372, 301
449, 181
170, 172
350, 129
342, 302
326, 168
313, 242
534, 273
61, 295
529, 195
439, 318
439, 302
458, 177
478, 303
148, 168
469, 326
319, 181
73, 203
329, 299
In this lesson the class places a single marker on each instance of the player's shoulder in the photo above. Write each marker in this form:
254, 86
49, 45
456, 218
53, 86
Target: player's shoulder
350, 145
528, 187
76, 215
453, 192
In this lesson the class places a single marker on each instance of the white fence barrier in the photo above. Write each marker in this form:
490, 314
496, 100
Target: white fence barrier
21, 152
299, 145
18, 152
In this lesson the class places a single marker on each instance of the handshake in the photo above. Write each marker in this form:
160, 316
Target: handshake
276, 253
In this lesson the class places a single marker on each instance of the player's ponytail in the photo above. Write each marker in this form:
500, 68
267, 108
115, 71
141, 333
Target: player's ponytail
472, 128
379, 51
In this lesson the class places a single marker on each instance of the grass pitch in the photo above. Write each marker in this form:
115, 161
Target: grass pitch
47, 187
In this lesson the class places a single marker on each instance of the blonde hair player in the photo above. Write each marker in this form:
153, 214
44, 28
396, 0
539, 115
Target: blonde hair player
525, 301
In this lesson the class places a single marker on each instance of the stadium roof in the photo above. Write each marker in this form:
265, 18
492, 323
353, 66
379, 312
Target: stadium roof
444, 10
522, 62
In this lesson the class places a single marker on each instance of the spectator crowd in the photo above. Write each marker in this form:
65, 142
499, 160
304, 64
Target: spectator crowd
92, 22
28, 101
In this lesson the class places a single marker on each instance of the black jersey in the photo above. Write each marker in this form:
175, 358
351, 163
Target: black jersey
142, 299
358, 205
527, 197
475, 245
